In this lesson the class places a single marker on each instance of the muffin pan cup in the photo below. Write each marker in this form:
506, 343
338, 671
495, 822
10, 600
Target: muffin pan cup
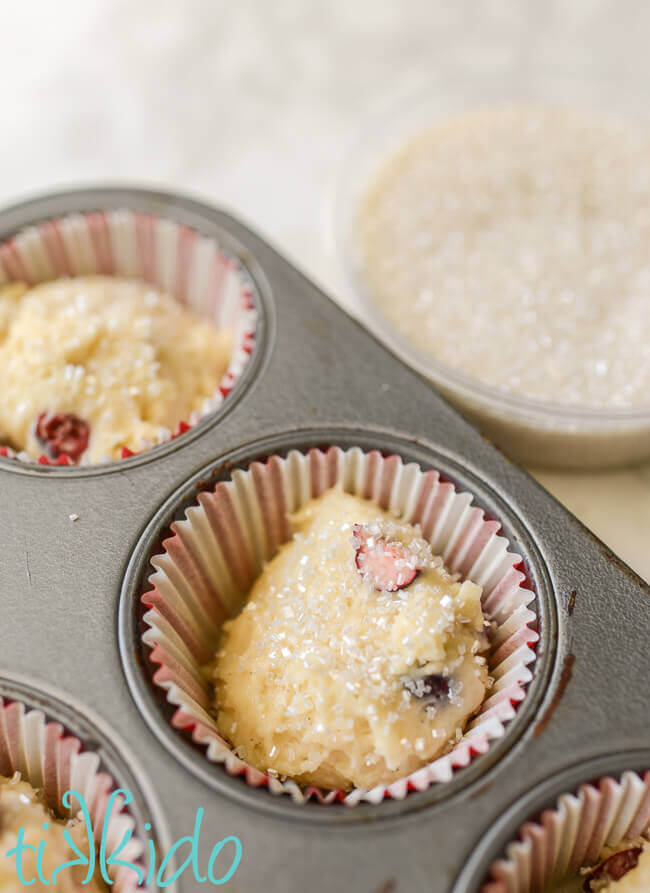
573, 833
173, 258
68, 588
56, 750
221, 544
564, 824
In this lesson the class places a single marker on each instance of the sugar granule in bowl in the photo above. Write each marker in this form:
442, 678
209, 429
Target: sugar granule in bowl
507, 250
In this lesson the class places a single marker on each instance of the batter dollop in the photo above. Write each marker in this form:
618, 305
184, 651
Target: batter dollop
21, 806
623, 869
91, 365
356, 659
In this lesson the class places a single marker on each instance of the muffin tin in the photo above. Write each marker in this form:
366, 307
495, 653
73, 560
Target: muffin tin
71, 613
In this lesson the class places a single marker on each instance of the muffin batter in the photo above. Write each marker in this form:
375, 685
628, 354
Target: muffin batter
21, 806
91, 365
356, 659
623, 869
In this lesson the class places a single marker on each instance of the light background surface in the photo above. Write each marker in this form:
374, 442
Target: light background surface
254, 104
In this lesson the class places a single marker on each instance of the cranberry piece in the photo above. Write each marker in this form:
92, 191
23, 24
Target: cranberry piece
433, 688
63, 434
613, 868
386, 566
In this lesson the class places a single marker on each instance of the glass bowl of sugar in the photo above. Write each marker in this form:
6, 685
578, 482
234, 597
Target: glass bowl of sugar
493, 229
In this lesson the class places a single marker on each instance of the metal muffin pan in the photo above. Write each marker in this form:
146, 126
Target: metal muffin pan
69, 613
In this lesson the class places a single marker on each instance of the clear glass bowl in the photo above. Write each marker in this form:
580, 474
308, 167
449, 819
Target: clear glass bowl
531, 431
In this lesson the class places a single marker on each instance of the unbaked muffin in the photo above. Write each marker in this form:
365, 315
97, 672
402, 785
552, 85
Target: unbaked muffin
357, 657
21, 806
92, 365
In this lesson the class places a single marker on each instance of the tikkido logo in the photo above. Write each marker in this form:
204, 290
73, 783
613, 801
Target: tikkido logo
101, 859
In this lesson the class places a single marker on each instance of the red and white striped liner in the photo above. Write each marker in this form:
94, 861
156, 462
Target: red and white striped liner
211, 559
48, 758
572, 834
170, 256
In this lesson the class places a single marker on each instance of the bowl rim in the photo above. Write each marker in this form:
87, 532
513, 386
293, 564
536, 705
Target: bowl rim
410, 112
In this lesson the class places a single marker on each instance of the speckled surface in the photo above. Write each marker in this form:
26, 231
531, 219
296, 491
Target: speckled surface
253, 105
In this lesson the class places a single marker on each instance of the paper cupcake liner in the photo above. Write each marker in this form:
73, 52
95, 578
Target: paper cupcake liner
212, 557
50, 759
573, 833
170, 256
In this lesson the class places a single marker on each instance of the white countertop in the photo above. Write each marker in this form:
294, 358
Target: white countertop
253, 104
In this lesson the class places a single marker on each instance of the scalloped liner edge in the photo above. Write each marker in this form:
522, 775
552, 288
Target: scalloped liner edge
457, 530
